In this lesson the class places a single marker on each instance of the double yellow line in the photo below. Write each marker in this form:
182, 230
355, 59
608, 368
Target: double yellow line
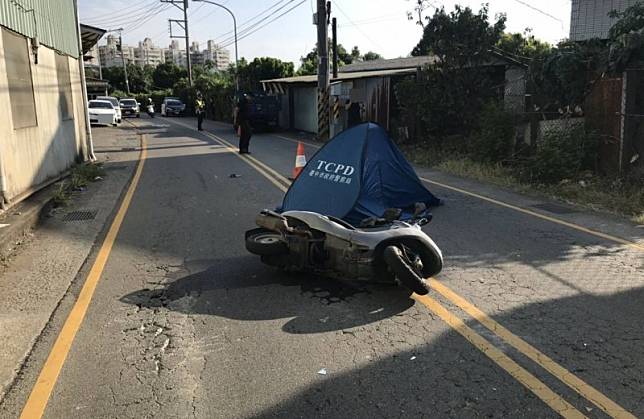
552, 399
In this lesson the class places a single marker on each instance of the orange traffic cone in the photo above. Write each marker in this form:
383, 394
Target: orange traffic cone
300, 161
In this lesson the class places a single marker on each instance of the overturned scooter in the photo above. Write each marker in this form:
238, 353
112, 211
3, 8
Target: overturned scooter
381, 249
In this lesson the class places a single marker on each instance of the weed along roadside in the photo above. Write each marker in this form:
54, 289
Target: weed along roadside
623, 197
80, 176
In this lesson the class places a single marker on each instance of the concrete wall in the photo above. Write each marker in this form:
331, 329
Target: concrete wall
31, 156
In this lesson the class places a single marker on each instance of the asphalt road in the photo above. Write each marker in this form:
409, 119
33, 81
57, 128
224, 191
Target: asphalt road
540, 319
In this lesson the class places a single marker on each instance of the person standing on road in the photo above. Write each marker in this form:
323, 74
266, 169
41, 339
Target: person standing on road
353, 113
200, 109
244, 129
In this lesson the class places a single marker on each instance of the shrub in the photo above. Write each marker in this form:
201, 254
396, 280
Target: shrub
562, 154
494, 140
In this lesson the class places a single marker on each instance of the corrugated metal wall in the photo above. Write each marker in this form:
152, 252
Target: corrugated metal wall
55, 22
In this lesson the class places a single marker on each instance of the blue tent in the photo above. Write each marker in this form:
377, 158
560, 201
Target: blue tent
358, 174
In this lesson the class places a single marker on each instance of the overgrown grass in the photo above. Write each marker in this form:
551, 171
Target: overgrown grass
61, 196
612, 195
81, 175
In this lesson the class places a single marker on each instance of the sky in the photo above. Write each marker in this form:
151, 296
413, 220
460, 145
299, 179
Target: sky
372, 25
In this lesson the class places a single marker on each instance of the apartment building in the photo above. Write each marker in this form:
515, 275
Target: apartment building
219, 56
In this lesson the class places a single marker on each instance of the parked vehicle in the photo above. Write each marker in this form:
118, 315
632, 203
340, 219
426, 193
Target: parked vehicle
130, 107
382, 250
263, 110
115, 102
102, 112
172, 106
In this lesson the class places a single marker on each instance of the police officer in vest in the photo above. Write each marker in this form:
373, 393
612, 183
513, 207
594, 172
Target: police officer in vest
200, 109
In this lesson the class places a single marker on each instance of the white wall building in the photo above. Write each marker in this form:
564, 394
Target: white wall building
110, 54
148, 54
218, 55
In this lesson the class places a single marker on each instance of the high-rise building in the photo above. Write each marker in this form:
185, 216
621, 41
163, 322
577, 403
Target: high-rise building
219, 56
110, 55
148, 54
175, 54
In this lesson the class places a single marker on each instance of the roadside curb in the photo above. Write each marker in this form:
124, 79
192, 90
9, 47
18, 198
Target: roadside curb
18, 221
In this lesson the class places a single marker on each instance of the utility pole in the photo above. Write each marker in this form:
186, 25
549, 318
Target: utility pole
183, 6
127, 82
323, 69
334, 31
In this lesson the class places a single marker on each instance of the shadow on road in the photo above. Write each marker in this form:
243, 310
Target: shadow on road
449, 378
243, 289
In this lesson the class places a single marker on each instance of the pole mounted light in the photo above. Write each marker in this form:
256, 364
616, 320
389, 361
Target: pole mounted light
235, 29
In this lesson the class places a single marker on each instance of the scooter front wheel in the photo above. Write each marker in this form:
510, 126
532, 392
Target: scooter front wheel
263, 242
402, 269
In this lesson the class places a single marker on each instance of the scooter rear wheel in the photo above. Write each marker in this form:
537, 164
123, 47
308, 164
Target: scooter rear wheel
402, 269
263, 242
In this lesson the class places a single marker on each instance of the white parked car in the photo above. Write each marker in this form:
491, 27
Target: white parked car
117, 106
102, 112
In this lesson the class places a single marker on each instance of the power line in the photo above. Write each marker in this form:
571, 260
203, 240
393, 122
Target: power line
528, 5
126, 20
112, 18
267, 23
335, 2
256, 24
369, 21
142, 21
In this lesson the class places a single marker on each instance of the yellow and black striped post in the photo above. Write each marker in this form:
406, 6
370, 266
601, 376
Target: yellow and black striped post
323, 114
336, 108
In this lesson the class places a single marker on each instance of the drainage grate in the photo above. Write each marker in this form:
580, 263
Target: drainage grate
554, 208
85, 215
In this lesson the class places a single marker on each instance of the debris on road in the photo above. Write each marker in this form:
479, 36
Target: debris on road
322, 371
412, 358
234, 176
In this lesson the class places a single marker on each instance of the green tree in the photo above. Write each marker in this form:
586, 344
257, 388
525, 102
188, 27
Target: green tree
263, 68
140, 78
370, 56
417, 14
449, 95
523, 47
116, 77
166, 75
460, 37
309, 63
355, 54
626, 37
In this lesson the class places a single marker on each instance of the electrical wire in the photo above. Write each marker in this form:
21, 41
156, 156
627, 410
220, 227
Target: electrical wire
528, 5
111, 18
140, 22
248, 28
335, 2
265, 24
369, 21
126, 21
